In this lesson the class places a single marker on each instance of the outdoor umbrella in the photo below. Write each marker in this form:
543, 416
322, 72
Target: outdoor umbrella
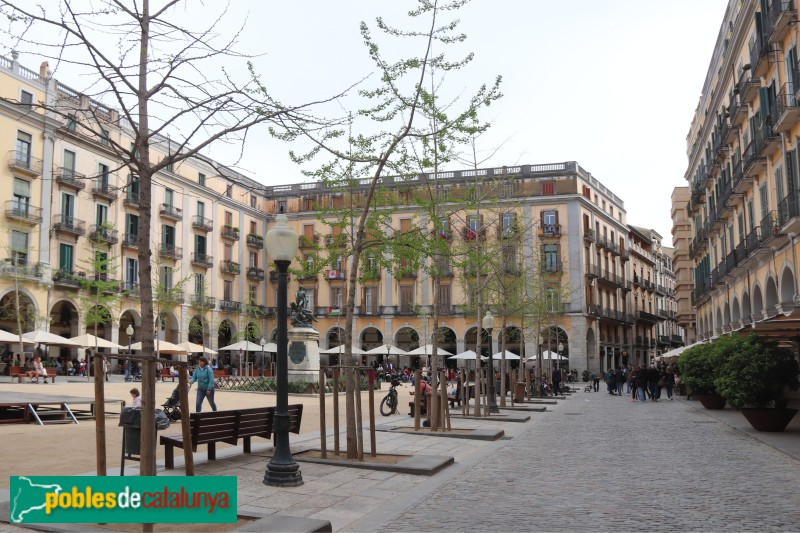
88, 340
195, 348
469, 355
164, 347
387, 349
247, 346
428, 350
45, 337
340, 350
12, 338
509, 356
271, 347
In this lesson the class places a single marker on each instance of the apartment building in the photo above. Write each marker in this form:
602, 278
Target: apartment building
73, 198
554, 224
742, 176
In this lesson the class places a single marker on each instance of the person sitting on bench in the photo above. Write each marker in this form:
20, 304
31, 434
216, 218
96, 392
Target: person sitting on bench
39, 370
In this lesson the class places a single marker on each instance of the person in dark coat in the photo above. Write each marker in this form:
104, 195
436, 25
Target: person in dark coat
556, 381
641, 382
610, 384
619, 380
653, 375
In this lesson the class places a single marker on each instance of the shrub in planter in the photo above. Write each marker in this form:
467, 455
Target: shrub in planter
585, 375
758, 374
697, 369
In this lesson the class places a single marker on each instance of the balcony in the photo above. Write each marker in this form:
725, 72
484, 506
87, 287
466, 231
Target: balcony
748, 90
230, 233
255, 241
171, 212
130, 240
754, 162
550, 231
307, 278
100, 233
201, 300
644, 316
256, 311
369, 309
738, 113
787, 106
68, 224
202, 260
105, 191
132, 199
23, 163
676, 339
335, 275
130, 288
255, 274
336, 241
23, 212
18, 267
405, 273
739, 182
780, 17
202, 223
588, 234
768, 140
67, 177
551, 268
230, 306
508, 232
273, 276
730, 134
170, 251
63, 279
307, 242
470, 234
226, 266
592, 271
760, 50
788, 215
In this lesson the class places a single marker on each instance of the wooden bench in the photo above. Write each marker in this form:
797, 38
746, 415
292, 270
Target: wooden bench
165, 374
51, 374
228, 427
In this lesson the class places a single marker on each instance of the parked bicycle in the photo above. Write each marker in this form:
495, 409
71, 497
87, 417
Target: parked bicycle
390, 403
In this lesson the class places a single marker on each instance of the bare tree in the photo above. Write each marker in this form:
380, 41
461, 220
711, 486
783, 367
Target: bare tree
167, 85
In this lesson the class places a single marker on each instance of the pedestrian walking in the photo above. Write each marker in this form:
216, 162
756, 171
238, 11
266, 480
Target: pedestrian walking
619, 380
669, 381
641, 383
556, 380
595, 381
204, 377
653, 376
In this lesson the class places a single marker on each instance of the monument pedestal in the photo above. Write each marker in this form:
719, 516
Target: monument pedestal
303, 363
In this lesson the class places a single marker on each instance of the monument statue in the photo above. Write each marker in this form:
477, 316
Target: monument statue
301, 316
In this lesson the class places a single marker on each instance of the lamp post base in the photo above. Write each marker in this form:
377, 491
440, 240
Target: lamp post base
278, 477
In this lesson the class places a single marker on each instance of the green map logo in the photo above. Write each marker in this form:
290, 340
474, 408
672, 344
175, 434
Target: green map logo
116, 499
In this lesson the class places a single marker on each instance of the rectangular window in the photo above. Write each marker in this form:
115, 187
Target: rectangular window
19, 247
23, 155
337, 297
22, 196
253, 260
508, 220
551, 258
169, 196
253, 201
168, 236
200, 245
253, 227
228, 218
282, 206
337, 201
26, 99
228, 252
67, 208
201, 209
308, 204
101, 215
444, 298
406, 298
101, 266
69, 164
132, 225
201, 179
65, 257
131, 272
166, 278
369, 300
252, 298
133, 186
229, 190
199, 284
405, 225
548, 188
104, 139
102, 177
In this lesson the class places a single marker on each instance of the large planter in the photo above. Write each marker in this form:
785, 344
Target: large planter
711, 401
768, 419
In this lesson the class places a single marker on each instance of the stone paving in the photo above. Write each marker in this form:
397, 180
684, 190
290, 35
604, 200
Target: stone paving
603, 463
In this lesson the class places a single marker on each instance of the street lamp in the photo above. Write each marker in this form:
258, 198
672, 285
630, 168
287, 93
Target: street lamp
263, 342
129, 331
282, 470
559, 349
488, 324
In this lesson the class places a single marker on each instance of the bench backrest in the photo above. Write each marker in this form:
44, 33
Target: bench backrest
231, 425
295, 416
214, 426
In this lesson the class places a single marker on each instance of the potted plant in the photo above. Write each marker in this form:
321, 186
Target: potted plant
585, 375
698, 373
754, 380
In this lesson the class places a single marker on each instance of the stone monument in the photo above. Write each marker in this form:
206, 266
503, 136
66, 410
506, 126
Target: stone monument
303, 363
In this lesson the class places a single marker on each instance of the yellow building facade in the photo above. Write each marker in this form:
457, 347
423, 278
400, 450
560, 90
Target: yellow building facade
743, 178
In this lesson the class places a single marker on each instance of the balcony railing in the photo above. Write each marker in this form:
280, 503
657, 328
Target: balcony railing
132, 198
308, 242
69, 178
508, 232
103, 190
753, 161
748, 89
130, 240
336, 241
550, 230
202, 260
787, 210
69, 224
552, 267
780, 16
170, 251
470, 234
787, 105
230, 233
23, 212
227, 266
67, 279
100, 233
201, 300
18, 267
647, 317
202, 223
255, 241
229, 305
170, 211
23, 162
129, 287
255, 274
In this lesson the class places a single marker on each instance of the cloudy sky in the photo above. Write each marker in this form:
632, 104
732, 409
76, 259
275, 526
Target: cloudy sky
611, 84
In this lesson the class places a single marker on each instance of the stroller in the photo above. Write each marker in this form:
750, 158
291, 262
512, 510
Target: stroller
172, 407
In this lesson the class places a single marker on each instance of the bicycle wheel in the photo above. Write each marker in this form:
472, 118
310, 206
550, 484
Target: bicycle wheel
388, 404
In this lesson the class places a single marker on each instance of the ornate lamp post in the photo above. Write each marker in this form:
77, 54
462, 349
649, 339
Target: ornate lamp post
488, 324
282, 470
129, 331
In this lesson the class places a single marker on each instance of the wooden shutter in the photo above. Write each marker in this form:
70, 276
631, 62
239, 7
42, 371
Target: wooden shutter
308, 231
405, 225
548, 188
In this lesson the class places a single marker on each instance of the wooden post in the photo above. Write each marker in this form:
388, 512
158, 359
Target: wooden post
99, 414
372, 450
417, 377
183, 390
336, 410
359, 415
147, 466
444, 402
478, 391
323, 433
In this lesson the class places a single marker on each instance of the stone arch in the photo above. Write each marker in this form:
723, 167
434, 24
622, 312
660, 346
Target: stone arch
718, 318
226, 332
513, 337
726, 314
770, 294
447, 340
471, 338
169, 327
199, 331
105, 324
406, 338
371, 337
758, 303
28, 311
334, 336
591, 348
64, 318
747, 310
273, 336
736, 314
252, 332
787, 287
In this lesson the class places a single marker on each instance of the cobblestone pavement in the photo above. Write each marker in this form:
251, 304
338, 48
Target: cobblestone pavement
603, 463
